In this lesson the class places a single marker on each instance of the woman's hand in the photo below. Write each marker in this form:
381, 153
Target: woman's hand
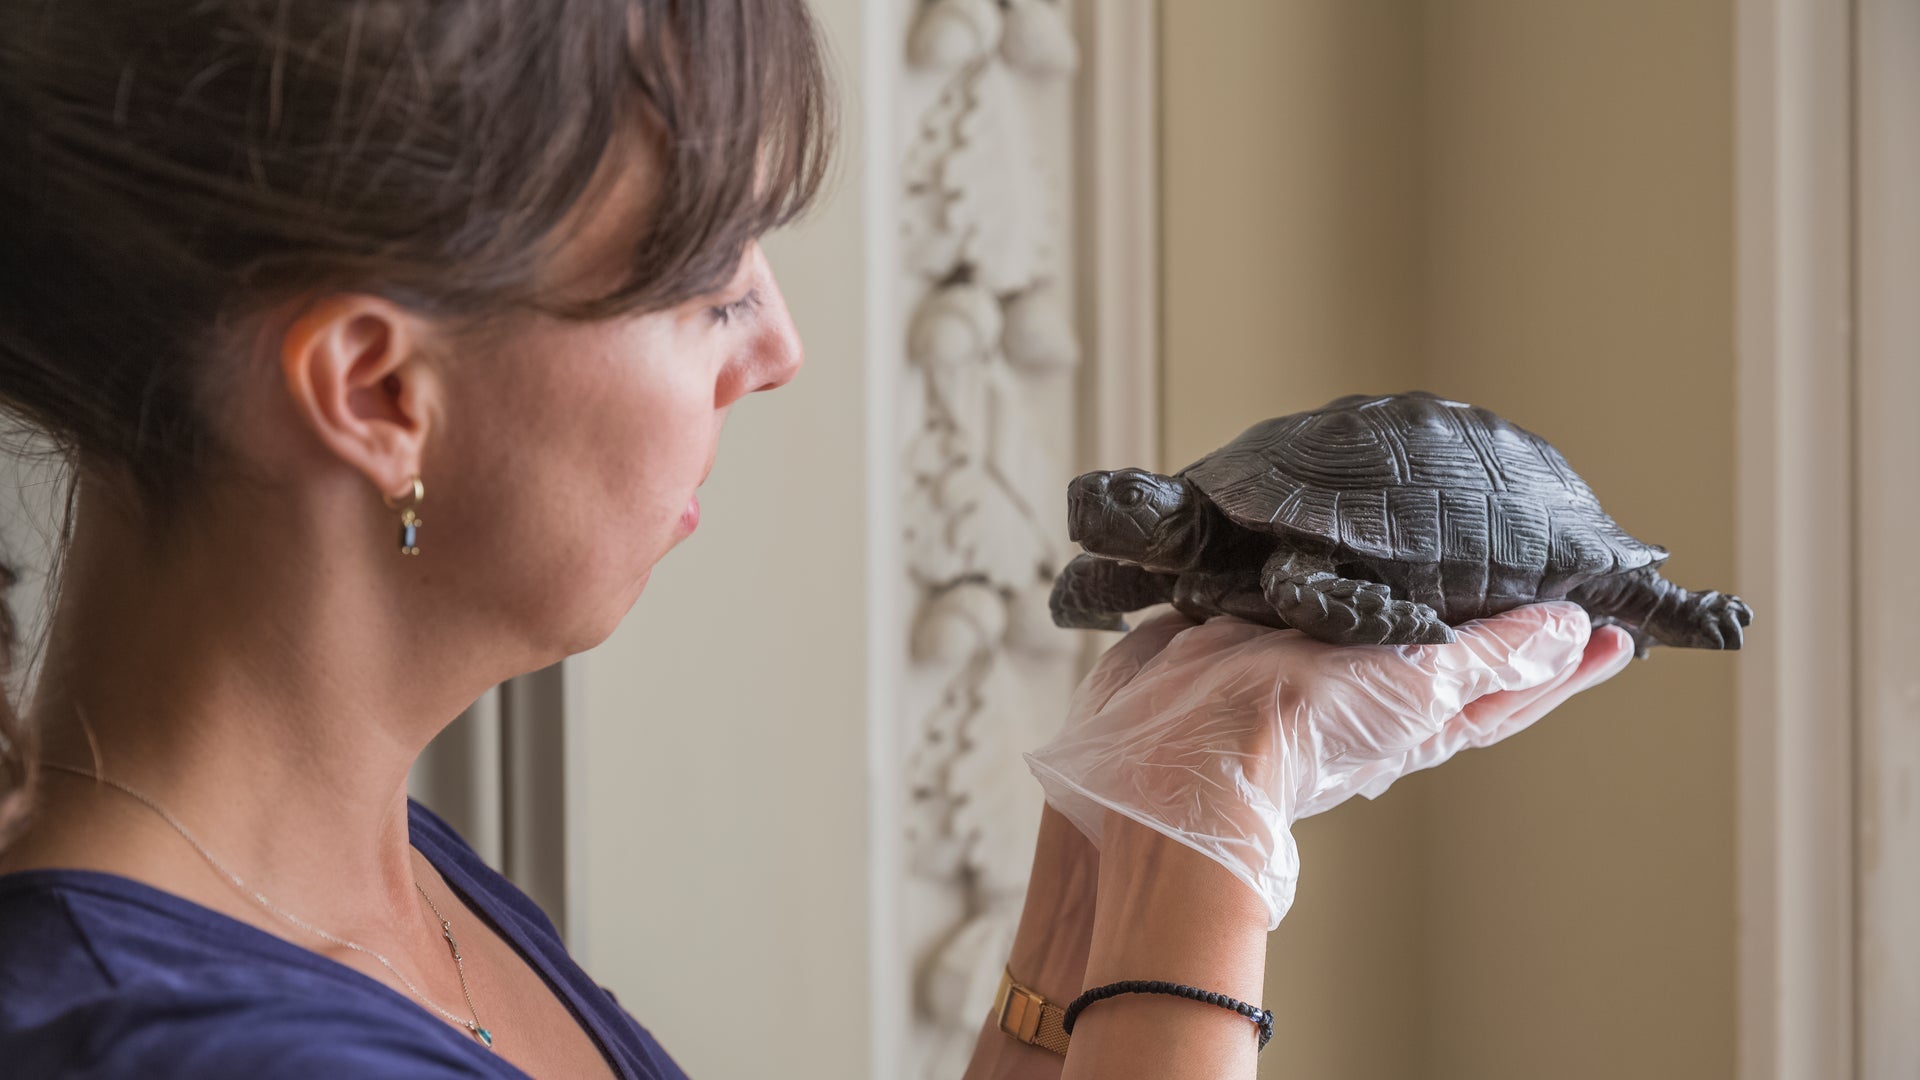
1221, 735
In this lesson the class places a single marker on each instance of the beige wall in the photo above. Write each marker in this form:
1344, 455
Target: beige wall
1292, 240
722, 810
1527, 205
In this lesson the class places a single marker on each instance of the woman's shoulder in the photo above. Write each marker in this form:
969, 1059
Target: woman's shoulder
154, 1032
105, 977
99, 967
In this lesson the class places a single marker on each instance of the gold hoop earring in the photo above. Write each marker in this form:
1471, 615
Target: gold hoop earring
409, 521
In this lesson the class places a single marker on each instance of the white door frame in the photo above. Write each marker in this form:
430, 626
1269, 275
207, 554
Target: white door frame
1829, 729
1118, 192
1796, 539
1887, 450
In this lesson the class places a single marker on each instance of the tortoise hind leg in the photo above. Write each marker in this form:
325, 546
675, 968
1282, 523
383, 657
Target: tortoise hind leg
1092, 593
1656, 611
1312, 597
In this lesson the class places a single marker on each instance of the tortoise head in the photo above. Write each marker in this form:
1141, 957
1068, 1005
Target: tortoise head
1138, 517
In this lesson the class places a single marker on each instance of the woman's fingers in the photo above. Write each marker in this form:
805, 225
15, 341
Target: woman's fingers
1607, 655
1365, 714
1524, 647
1515, 650
1502, 673
1406, 694
1498, 715
1490, 713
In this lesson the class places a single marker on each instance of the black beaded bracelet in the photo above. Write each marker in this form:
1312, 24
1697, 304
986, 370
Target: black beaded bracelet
1259, 1016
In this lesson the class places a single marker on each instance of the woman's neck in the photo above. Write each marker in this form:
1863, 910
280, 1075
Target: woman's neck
258, 685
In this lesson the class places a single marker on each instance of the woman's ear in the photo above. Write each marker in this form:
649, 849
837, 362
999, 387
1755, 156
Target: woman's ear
355, 368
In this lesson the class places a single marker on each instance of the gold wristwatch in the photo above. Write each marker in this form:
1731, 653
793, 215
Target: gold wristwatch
1027, 1016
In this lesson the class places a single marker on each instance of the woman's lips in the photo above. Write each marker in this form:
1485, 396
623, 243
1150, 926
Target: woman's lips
690, 517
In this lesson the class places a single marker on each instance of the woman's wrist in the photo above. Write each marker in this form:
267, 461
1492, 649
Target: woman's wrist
1049, 954
1167, 912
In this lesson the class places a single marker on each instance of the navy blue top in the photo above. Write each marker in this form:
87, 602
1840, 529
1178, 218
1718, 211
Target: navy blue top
104, 978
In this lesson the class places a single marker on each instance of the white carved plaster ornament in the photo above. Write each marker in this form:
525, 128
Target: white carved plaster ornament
960, 622
1030, 629
951, 34
1037, 335
990, 331
1037, 40
956, 324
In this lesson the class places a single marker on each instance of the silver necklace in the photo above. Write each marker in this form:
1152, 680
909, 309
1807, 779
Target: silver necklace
446, 928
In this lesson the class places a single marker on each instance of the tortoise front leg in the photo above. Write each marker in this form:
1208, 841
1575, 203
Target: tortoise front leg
1313, 598
1093, 593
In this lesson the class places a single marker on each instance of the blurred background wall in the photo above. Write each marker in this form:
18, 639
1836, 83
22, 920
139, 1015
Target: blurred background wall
1529, 206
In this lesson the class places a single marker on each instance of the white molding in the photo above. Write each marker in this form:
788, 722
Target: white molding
1119, 196
987, 402
533, 784
1795, 550
1027, 318
891, 1016
576, 809
458, 777
1887, 450
500, 776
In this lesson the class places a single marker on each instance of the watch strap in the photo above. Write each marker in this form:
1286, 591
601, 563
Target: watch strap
1029, 1017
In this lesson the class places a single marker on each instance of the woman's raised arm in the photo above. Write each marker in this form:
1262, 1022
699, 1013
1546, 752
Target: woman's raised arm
1186, 758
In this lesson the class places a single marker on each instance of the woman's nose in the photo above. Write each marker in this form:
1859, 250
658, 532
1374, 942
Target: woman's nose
770, 356
779, 350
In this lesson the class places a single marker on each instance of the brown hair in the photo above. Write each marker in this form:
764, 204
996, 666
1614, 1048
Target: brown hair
170, 168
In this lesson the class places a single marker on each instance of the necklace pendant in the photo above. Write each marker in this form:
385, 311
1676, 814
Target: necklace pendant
485, 1036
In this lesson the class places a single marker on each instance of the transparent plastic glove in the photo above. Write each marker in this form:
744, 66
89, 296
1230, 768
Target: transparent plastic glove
1221, 735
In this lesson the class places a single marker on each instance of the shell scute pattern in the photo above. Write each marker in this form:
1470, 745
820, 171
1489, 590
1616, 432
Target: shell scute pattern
1415, 478
1519, 533
1465, 534
1413, 518
1362, 517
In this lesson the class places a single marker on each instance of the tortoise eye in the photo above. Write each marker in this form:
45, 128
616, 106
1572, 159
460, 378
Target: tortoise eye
1131, 496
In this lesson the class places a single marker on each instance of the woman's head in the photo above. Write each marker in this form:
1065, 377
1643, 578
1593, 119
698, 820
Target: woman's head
294, 253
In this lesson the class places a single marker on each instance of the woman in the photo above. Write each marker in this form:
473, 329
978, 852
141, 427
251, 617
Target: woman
389, 341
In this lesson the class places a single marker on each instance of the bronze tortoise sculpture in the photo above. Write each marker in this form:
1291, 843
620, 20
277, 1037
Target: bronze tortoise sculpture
1374, 520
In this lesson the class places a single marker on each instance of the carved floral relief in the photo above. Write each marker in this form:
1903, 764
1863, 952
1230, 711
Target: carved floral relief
991, 350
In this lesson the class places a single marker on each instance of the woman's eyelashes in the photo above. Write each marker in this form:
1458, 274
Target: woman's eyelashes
725, 314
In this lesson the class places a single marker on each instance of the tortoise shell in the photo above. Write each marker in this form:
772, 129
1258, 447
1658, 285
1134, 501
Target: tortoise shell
1416, 478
